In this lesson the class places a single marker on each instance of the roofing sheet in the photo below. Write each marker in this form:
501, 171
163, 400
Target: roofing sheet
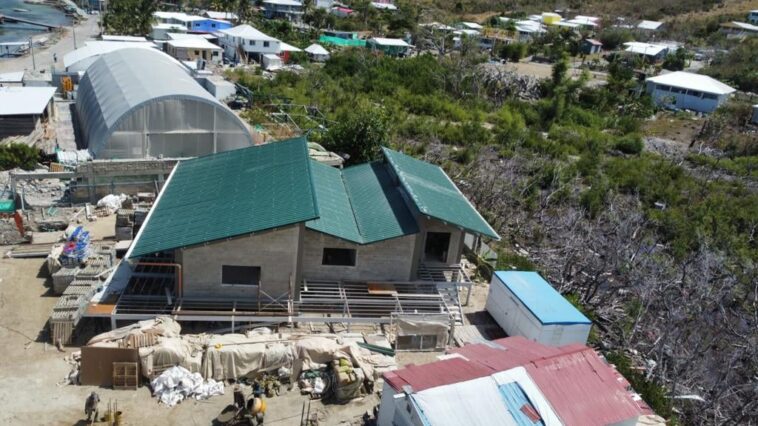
247, 32
542, 300
256, 188
381, 41
111, 37
360, 204
12, 77
519, 405
435, 195
221, 15
649, 25
585, 390
193, 43
427, 376
24, 100
688, 80
647, 49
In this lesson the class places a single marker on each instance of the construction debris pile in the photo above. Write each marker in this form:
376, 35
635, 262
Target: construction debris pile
323, 365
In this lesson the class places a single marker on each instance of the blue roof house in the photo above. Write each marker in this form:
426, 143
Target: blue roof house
524, 304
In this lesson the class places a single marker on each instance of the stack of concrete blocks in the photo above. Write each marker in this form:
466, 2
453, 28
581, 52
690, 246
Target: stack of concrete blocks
124, 224
63, 278
73, 303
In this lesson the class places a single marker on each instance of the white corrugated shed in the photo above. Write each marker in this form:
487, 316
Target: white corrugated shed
316, 49
688, 80
524, 304
649, 25
25, 100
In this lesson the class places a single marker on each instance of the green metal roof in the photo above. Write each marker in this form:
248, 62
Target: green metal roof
229, 194
360, 204
435, 195
268, 186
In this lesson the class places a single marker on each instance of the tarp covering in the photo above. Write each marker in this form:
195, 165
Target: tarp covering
426, 327
475, 402
236, 355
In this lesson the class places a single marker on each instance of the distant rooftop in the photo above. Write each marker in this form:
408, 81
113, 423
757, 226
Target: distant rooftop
688, 80
24, 100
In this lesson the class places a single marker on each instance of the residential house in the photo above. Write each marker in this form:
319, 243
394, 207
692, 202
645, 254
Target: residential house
389, 46
341, 38
12, 79
326, 4
469, 26
684, 90
384, 5
244, 42
752, 17
341, 12
194, 48
513, 381
267, 220
650, 26
754, 118
23, 110
192, 23
290, 10
739, 29
590, 46
649, 51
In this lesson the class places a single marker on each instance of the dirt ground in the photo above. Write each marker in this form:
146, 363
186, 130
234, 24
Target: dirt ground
31, 369
680, 127
543, 70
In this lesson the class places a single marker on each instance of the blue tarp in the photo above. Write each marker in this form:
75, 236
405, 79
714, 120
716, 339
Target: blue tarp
515, 399
541, 298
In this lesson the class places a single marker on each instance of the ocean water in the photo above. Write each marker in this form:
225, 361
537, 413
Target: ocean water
36, 12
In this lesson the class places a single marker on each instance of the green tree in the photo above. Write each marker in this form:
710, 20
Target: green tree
18, 155
130, 17
676, 61
359, 132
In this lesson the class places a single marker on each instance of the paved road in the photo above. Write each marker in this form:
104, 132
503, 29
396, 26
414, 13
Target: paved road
87, 30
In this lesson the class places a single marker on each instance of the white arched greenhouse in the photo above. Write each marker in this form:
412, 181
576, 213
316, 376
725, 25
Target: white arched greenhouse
140, 103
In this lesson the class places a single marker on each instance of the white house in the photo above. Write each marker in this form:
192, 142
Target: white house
317, 52
524, 304
586, 21
160, 31
469, 26
244, 42
290, 10
194, 48
383, 5
752, 17
650, 51
684, 90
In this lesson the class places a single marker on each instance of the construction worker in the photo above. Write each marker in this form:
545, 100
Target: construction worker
90, 407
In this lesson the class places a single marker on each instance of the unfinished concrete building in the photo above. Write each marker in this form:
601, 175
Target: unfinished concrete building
139, 103
268, 231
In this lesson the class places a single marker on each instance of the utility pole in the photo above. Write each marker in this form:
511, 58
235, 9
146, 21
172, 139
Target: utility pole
73, 31
31, 47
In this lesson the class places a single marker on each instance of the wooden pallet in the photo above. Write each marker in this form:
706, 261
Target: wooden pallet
125, 375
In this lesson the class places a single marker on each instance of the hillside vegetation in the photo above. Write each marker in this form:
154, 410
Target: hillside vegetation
663, 259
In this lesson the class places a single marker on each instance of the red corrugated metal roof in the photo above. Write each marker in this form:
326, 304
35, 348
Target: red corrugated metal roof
434, 374
582, 388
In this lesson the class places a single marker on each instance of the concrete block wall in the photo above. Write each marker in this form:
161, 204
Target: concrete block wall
390, 260
275, 252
